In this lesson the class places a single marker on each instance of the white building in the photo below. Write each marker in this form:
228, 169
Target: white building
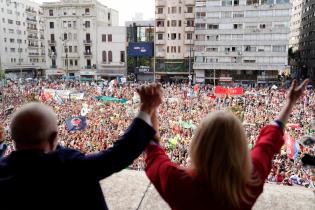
21, 39
174, 38
241, 40
302, 39
111, 51
71, 31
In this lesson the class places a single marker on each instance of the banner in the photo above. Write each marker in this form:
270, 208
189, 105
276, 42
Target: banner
292, 147
228, 90
57, 98
48, 94
187, 125
111, 99
76, 96
76, 123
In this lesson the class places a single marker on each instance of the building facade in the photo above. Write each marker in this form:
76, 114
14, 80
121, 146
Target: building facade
111, 56
71, 33
242, 41
174, 27
302, 40
22, 52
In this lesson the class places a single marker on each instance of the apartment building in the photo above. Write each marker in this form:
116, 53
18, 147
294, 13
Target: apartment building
111, 47
21, 39
242, 41
174, 29
302, 40
71, 31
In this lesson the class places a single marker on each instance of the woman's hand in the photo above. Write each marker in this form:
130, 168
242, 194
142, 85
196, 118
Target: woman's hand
297, 92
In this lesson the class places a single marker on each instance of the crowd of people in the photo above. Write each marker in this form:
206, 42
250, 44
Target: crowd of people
182, 110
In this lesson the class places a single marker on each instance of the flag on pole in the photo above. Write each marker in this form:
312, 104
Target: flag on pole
76, 123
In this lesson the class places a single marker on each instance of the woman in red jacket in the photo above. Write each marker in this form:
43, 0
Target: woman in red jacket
223, 173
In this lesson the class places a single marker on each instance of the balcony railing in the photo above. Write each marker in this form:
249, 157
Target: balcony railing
32, 45
87, 41
53, 66
30, 10
31, 19
32, 37
87, 53
88, 67
52, 42
52, 54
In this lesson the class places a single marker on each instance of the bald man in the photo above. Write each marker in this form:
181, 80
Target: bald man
39, 176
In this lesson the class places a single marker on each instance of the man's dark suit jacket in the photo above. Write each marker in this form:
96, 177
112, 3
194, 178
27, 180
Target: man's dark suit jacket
66, 178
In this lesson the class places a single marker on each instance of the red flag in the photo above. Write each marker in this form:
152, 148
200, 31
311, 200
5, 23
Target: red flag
289, 143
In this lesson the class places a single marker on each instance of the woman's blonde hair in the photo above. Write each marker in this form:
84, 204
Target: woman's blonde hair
219, 153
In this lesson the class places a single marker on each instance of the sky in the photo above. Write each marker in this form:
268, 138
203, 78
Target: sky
126, 8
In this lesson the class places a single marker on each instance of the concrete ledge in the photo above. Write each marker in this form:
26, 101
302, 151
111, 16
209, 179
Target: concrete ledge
131, 190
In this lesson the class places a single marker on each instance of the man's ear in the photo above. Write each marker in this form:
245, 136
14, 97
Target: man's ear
53, 141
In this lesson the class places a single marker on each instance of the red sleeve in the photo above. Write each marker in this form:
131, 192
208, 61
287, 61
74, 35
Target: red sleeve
160, 170
269, 142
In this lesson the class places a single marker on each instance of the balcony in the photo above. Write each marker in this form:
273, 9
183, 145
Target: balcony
88, 67
189, 15
33, 54
189, 41
160, 29
31, 29
31, 19
189, 29
189, 2
52, 54
32, 46
32, 37
87, 42
160, 42
160, 16
52, 42
53, 66
87, 54
30, 10
160, 3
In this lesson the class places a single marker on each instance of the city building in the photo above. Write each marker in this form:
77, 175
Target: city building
175, 26
22, 52
140, 33
302, 40
71, 34
111, 48
241, 41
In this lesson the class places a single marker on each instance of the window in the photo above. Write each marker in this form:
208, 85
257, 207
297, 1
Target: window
10, 21
87, 24
51, 12
160, 10
51, 25
178, 49
11, 31
9, 12
236, 2
75, 62
70, 49
173, 36
179, 23
174, 10
190, 10
122, 56
11, 40
160, 37
18, 23
87, 11
104, 56
262, 26
12, 49
75, 49
160, 23
251, 2
226, 2
189, 36
110, 38
279, 48
173, 23
108, 16
103, 37
213, 26
110, 56
237, 26
65, 36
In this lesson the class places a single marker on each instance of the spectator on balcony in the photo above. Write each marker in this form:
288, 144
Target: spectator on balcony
40, 175
223, 173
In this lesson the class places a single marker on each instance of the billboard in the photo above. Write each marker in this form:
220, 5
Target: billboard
140, 49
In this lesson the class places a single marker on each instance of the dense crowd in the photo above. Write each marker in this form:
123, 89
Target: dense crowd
182, 110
